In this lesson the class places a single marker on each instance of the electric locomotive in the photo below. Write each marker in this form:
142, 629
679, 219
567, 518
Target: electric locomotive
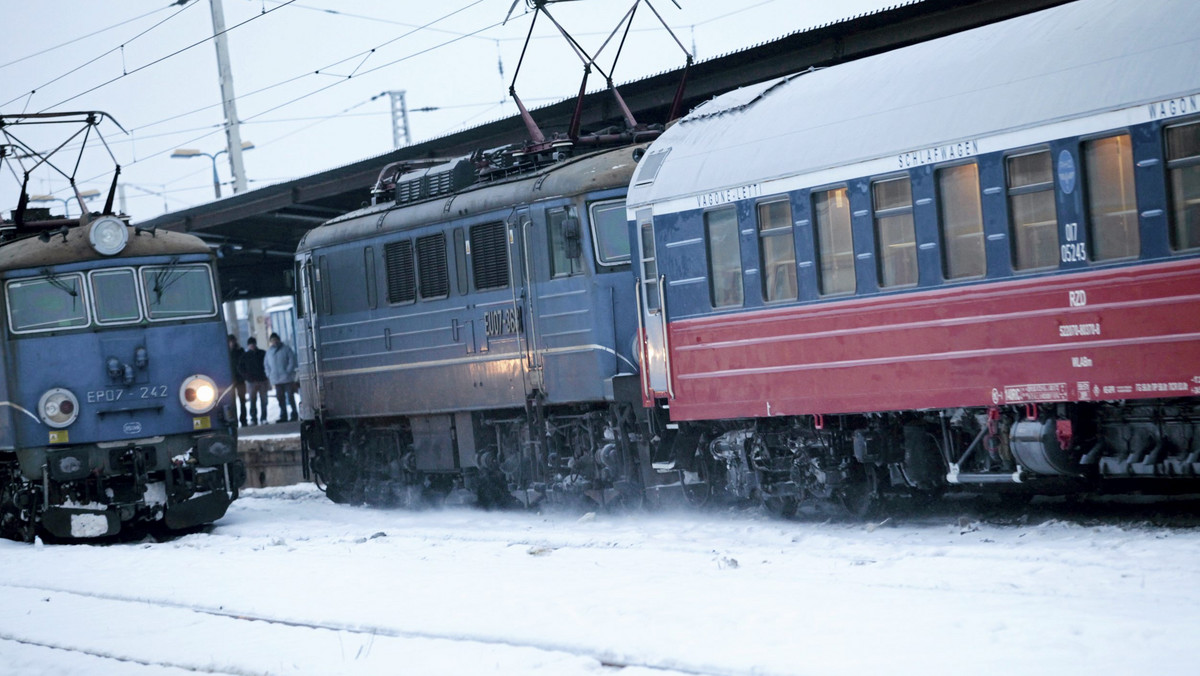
115, 410
471, 334
972, 262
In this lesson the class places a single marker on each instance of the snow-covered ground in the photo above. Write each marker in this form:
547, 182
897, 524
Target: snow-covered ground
289, 583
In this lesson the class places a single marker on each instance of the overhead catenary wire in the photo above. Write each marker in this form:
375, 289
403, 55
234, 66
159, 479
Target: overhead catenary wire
161, 59
74, 40
120, 47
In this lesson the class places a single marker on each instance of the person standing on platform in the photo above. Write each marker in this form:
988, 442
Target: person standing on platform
239, 383
251, 368
281, 369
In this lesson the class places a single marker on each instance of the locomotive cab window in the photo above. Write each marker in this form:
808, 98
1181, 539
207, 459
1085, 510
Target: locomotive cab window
115, 296
566, 248
610, 232
46, 303
178, 292
1112, 203
895, 236
1183, 166
835, 243
1032, 213
961, 219
724, 257
777, 247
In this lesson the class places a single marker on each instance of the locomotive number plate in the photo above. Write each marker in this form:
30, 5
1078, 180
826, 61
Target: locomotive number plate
502, 322
139, 392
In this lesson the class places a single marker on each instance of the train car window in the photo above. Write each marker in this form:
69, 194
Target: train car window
895, 234
460, 259
1183, 165
324, 281
649, 261
115, 296
564, 237
835, 243
724, 257
1032, 212
610, 232
369, 271
47, 303
431, 266
489, 256
777, 246
1112, 203
401, 276
178, 291
961, 218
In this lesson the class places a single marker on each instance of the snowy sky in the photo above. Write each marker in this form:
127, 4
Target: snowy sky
291, 68
290, 583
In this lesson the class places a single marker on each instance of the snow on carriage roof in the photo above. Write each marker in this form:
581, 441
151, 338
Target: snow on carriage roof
1059, 64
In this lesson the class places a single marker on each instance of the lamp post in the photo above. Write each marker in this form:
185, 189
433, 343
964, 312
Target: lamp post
185, 153
66, 201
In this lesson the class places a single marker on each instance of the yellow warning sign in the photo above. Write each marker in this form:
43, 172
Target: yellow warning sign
58, 436
202, 423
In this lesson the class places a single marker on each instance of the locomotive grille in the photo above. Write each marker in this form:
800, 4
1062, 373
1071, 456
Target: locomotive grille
489, 259
431, 261
400, 274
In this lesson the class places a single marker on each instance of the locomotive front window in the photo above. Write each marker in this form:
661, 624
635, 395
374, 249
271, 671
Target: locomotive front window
115, 296
1183, 164
895, 236
724, 257
178, 291
777, 245
610, 232
961, 216
1031, 208
47, 303
835, 243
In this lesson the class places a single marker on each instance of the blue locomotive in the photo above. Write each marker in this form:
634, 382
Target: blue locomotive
473, 332
114, 406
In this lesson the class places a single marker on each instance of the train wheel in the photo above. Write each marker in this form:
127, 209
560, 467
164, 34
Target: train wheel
861, 496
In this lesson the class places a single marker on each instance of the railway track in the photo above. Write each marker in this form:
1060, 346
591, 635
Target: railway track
288, 639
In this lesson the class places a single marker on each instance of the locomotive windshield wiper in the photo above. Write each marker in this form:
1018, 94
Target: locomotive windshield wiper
68, 288
163, 278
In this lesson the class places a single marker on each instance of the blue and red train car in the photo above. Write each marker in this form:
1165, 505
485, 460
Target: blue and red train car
970, 261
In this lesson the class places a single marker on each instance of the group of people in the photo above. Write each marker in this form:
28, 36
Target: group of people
256, 371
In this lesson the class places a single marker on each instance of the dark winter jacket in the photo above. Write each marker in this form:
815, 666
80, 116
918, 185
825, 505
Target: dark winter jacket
235, 361
250, 366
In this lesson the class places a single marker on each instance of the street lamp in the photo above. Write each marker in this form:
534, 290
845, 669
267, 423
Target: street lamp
193, 152
66, 201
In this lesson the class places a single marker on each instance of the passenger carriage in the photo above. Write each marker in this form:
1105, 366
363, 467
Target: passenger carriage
969, 261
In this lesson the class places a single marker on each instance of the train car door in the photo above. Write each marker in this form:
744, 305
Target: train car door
652, 341
525, 295
307, 356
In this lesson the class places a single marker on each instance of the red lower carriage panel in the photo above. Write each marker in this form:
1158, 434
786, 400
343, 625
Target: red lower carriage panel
1121, 333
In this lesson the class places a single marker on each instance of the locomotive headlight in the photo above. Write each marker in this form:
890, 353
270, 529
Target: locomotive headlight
198, 394
108, 236
58, 407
